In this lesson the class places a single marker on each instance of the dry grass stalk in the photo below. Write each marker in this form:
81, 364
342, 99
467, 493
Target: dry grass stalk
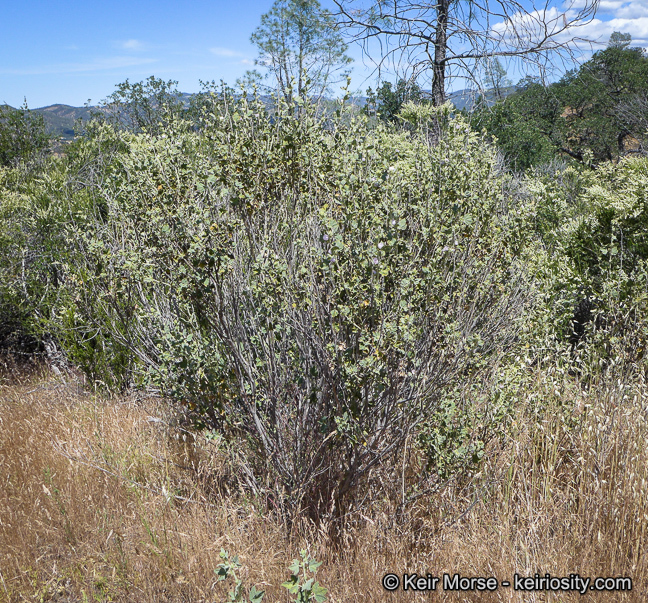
98, 502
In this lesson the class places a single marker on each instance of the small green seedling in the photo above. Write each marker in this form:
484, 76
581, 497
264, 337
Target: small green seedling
228, 568
305, 588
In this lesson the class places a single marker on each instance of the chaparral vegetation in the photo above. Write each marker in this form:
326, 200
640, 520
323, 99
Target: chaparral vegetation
286, 350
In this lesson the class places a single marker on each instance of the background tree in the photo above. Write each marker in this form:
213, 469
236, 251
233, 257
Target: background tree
298, 42
387, 101
495, 77
597, 112
148, 105
524, 125
619, 40
22, 134
593, 98
448, 36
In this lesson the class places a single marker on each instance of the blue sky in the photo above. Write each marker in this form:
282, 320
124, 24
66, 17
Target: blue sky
70, 52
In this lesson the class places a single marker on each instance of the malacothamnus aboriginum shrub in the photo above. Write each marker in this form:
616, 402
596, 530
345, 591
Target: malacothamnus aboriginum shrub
316, 291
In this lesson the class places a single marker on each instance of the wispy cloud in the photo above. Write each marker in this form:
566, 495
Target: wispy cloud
626, 16
601, 30
613, 15
624, 9
225, 52
131, 44
100, 64
529, 29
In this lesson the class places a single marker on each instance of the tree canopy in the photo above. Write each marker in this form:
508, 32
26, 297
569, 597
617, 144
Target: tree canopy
386, 102
301, 48
597, 112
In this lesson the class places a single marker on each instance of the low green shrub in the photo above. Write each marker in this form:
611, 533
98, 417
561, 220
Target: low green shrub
609, 250
32, 246
229, 568
301, 582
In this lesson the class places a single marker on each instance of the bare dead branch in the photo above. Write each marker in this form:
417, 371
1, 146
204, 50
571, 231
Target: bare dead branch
449, 38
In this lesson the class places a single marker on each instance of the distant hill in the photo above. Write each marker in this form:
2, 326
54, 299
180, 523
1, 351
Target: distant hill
461, 99
466, 99
60, 119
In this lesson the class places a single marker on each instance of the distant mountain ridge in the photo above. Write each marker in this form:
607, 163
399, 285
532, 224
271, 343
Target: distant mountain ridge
466, 98
60, 119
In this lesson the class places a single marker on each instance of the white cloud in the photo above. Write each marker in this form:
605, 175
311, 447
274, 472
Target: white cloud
624, 9
228, 53
613, 15
101, 64
225, 52
617, 15
634, 10
527, 29
131, 44
600, 31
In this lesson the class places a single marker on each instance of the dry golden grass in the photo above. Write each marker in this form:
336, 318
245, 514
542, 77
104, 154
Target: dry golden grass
99, 503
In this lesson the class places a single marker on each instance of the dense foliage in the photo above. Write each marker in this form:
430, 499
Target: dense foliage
22, 134
387, 101
594, 113
324, 293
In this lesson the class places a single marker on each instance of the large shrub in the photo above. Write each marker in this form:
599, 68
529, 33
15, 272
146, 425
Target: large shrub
22, 135
32, 245
317, 291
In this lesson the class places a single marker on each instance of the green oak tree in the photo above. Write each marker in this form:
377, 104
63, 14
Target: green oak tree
386, 102
594, 113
